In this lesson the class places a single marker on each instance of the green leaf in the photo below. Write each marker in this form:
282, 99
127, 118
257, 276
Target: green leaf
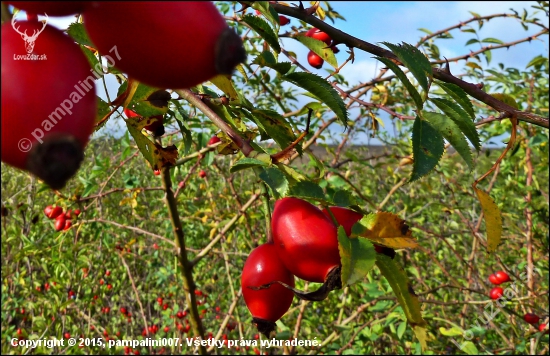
307, 190
275, 126
403, 78
472, 40
145, 100
459, 95
102, 110
267, 59
428, 147
451, 132
405, 295
461, 119
425, 30
492, 40
321, 89
276, 181
320, 48
357, 256
343, 198
78, 33
267, 11
414, 60
401, 330
264, 30
246, 163
537, 61
186, 133
469, 348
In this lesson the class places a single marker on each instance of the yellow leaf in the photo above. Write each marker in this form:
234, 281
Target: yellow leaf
385, 229
224, 84
506, 99
492, 217
164, 156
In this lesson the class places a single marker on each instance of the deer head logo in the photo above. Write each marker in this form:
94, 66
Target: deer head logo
29, 40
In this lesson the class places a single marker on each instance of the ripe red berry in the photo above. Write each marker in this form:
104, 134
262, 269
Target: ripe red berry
54, 212
45, 131
101, 282
502, 277
159, 300
165, 306
48, 210
123, 310
306, 239
157, 172
542, 327
496, 293
76, 212
19, 332
198, 292
494, 280
51, 8
67, 335
206, 45
214, 140
263, 266
314, 60
166, 329
319, 35
345, 217
60, 223
283, 20
180, 315
68, 224
107, 273
109, 286
68, 214
202, 173
531, 318
155, 246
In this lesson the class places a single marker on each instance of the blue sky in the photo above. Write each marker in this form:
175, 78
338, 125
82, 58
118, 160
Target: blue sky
399, 21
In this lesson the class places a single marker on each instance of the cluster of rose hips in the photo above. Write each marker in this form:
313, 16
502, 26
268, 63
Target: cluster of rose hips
305, 245
63, 221
45, 131
313, 58
533, 319
497, 279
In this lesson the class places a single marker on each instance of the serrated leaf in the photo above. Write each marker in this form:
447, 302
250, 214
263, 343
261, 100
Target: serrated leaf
459, 95
357, 257
275, 127
492, 40
276, 181
492, 217
405, 295
315, 162
474, 65
147, 101
403, 78
506, 99
226, 85
320, 48
451, 132
78, 33
269, 12
428, 147
266, 59
307, 190
415, 61
102, 110
385, 229
470, 41
322, 90
264, 30
343, 198
186, 133
461, 119
246, 163
537, 61
425, 30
